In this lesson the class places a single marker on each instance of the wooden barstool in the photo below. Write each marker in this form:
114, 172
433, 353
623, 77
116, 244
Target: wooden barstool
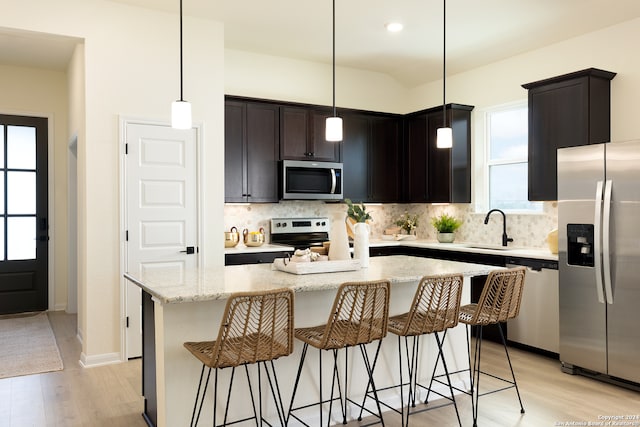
359, 316
256, 327
499, 301
435, 308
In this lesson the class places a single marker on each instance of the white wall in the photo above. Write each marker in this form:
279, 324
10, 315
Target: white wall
131, 69
278, 78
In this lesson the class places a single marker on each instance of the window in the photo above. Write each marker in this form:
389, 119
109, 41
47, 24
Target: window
506, 159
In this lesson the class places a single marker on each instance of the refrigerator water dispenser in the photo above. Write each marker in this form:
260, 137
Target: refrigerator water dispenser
580, 245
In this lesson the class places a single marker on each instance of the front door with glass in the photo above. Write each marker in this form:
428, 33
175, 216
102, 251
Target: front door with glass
23, 214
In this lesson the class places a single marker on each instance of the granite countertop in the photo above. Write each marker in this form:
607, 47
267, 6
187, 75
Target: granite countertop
170, 286
513, 251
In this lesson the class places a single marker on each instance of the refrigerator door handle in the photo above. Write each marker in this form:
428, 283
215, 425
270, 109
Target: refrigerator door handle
606, 248
597, 237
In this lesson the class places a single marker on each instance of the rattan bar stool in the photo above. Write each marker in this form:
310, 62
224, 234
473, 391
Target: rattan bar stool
435, 309
499, 301
256, 327
359, 316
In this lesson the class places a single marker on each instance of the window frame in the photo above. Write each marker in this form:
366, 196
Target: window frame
482, 151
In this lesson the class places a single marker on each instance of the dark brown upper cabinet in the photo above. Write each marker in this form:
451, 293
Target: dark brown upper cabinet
302, 135
371, 154
565, 111
251, 141
435, 175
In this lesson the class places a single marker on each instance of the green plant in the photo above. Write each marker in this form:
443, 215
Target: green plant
445, 223
408, 222
357, 212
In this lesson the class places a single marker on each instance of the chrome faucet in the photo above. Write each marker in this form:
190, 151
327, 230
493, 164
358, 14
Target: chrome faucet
505, 239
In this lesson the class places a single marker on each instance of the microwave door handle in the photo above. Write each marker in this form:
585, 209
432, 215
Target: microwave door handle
597, 237
334, 182
606, 247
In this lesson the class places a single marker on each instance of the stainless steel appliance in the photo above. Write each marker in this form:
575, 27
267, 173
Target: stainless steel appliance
301, 233
309, 180
599, 259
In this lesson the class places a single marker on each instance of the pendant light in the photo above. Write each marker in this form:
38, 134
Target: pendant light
181, 109
333, 128
444, 135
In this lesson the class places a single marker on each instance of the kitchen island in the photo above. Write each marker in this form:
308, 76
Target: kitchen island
187, 305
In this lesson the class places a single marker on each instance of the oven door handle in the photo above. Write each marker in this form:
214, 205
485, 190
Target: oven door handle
334, 182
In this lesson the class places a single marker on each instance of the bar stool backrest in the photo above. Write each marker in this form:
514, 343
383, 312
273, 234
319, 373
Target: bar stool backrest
360, 314
500, 298
256, 327
435, 306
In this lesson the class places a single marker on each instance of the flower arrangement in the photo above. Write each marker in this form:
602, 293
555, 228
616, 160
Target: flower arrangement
446, 223
408, 222
357, 212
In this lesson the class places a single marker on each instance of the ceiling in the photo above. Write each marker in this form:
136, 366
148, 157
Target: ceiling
478, 32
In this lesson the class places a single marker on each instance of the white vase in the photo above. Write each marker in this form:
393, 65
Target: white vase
361, 243
339, 249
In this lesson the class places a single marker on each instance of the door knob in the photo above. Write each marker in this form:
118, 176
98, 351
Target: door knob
189, 251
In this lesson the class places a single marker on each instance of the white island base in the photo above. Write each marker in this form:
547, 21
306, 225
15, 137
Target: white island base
188, 306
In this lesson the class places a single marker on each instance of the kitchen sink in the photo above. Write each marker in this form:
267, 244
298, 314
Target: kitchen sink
490, 247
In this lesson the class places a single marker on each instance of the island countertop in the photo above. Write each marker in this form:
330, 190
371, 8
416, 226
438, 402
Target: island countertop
170, 286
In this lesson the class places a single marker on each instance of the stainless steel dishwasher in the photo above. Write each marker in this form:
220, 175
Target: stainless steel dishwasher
538, 323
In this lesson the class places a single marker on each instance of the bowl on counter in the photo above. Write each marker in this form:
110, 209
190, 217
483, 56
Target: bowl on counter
231, 238
253, 238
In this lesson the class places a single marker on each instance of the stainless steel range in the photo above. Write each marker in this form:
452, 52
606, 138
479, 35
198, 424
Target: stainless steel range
300, 233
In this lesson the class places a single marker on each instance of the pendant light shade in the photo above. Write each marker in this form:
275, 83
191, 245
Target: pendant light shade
333, 130
181, 115
181, 109
444, 135
333, 126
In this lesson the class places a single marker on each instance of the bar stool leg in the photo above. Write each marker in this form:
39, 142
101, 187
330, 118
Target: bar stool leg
195, 405
504, 343
303, 355
446, 371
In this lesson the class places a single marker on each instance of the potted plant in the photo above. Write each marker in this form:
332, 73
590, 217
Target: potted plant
360, 233
358, 213
408, 223
446, 225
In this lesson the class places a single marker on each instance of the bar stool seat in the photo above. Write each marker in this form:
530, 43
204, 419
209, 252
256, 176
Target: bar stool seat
359, 316
256, 327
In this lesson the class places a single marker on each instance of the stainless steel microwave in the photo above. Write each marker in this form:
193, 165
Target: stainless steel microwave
309, 180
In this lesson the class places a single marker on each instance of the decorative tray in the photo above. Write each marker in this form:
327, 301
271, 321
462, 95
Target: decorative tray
284, 264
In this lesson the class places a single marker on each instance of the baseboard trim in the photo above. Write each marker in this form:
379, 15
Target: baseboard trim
99, 360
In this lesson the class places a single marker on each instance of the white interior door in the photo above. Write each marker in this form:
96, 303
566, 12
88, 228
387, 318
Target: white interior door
161, 209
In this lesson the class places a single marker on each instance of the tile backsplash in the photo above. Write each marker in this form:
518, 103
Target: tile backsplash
528, 230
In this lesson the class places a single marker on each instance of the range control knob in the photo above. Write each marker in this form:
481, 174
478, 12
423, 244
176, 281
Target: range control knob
318, 224
324, 223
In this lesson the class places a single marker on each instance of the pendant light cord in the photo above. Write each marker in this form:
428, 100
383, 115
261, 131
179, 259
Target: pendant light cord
334, 58
444, 63
181, 51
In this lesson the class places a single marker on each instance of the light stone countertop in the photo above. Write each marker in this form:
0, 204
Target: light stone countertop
170, 286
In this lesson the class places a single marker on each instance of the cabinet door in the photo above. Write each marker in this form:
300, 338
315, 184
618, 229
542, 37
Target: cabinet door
262, 152
318, 147
384, 160
234, 137
355, 176
439, 162
558, 117
416, 189
294, 133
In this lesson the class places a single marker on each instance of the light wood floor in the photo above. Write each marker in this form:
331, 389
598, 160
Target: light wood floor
109, 396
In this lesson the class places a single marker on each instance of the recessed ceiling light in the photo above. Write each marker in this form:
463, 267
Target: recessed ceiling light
394, 27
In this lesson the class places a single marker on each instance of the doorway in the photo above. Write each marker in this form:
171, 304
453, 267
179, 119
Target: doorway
24, 226
161, 210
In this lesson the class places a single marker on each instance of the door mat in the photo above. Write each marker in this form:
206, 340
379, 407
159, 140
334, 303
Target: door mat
27, 346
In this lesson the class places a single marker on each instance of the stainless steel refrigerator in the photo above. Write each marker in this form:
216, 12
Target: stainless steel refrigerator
599, 259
